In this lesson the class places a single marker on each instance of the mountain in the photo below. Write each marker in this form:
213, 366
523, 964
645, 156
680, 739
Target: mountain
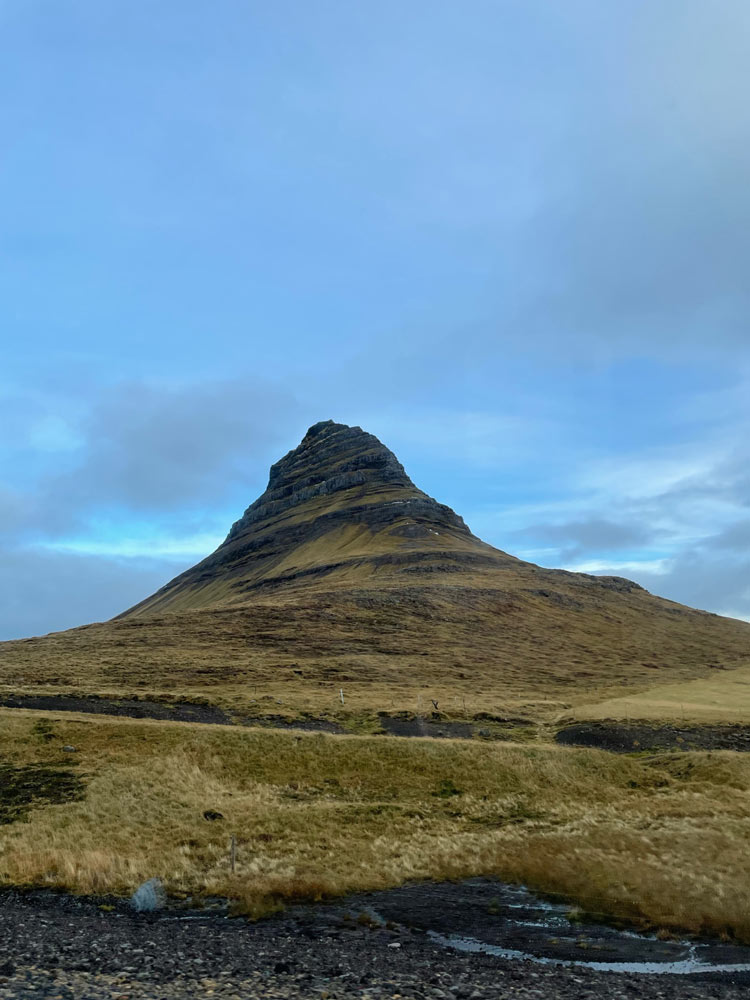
345, 574
339, 509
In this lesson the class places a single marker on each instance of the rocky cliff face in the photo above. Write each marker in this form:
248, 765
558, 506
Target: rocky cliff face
350, 468
339, 500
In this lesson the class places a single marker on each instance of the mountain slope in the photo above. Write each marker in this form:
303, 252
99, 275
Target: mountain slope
345, 574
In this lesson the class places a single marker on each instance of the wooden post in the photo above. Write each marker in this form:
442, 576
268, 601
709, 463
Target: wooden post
341, 695
233, 853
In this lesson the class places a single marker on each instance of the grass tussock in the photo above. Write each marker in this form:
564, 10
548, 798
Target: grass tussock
657, 840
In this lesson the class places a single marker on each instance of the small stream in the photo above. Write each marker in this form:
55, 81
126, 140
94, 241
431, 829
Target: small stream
692, 964
478, 915
485, 916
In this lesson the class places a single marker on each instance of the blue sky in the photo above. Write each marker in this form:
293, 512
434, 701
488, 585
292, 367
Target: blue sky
509, 238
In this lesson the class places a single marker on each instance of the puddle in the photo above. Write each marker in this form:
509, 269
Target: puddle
687, 966
481, 915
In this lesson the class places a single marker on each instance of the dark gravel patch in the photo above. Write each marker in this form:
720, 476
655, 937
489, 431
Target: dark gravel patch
183, 711
133, 708
57, 946
402, 725
25, 786
482, 726
309, 725
399, 724
630, 737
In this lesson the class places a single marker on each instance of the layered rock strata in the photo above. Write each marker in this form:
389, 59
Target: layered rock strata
340, 498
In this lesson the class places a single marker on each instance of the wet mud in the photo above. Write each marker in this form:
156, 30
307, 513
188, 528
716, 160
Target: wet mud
632, 737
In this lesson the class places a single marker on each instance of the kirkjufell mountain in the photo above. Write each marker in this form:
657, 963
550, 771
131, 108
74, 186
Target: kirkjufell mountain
339, 510
345, 573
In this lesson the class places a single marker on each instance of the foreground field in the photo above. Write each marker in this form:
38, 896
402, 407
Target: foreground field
660, 839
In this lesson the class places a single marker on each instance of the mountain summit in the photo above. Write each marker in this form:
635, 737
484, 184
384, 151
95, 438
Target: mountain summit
358, 476
339, 502
344, 573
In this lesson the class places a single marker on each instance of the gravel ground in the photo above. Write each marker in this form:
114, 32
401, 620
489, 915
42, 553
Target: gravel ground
58, 947
625, 737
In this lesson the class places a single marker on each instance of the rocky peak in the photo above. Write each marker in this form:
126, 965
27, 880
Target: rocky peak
338, 502
330, 450
331, 459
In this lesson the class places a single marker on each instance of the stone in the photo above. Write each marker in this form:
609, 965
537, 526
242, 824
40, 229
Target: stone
149, 896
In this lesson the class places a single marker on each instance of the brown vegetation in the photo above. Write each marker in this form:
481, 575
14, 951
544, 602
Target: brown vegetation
497, 649
660, 840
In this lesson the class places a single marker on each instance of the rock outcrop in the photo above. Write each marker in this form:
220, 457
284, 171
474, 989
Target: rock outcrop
355, 471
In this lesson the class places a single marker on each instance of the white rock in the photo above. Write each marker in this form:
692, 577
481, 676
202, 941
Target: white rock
149, 896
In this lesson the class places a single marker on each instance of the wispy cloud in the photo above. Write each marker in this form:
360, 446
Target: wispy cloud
181, 548
655, 567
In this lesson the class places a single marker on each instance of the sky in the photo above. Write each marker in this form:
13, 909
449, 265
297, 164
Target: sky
511, 239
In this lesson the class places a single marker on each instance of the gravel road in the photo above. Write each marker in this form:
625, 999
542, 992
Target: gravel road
59, 947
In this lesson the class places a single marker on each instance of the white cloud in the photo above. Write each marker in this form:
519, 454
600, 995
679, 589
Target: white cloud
187, 547
612, 566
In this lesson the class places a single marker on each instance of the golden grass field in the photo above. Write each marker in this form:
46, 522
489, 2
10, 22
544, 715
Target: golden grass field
723, 697
661, 839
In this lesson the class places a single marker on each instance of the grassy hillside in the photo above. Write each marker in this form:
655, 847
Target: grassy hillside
722, 697
661, 840
480, 647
